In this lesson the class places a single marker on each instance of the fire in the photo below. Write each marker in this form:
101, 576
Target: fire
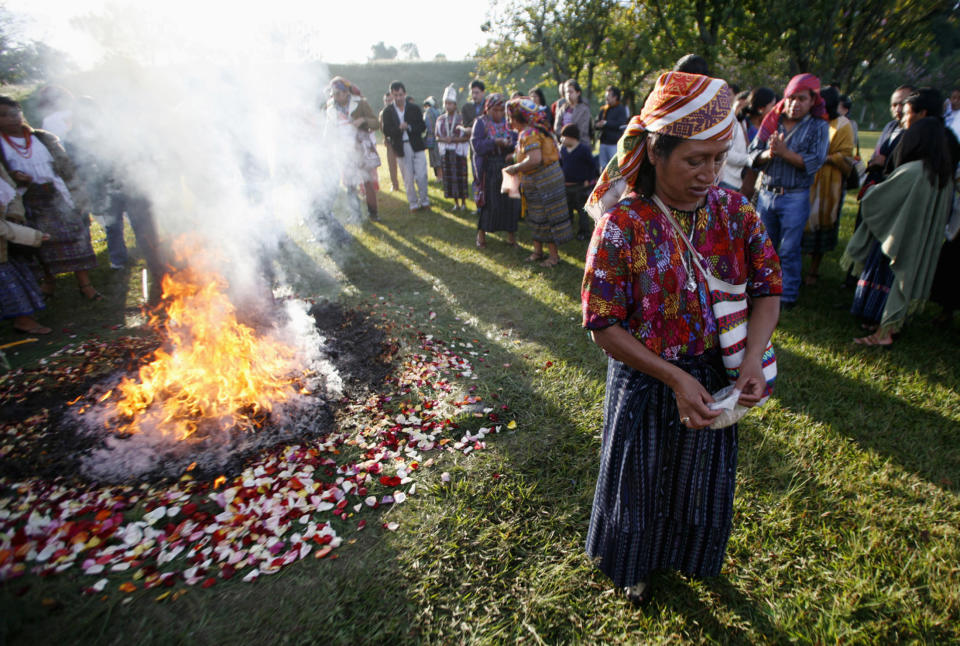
213, 370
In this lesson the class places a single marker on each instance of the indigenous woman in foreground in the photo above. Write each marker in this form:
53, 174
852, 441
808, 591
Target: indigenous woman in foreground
541, 179
664, 497
492, 141
36, 161
453, 141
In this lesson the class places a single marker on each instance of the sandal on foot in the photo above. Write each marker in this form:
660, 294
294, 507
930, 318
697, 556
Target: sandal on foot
550, 262
95, 296
534, 257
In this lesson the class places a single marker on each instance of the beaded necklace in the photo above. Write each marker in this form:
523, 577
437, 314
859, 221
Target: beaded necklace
26, 150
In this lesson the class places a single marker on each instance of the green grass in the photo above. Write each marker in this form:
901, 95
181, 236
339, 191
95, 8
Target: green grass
847, 507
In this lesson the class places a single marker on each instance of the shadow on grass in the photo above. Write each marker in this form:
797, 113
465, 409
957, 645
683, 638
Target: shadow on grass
921, 441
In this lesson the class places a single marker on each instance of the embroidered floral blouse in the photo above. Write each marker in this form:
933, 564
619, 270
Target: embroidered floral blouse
635, 274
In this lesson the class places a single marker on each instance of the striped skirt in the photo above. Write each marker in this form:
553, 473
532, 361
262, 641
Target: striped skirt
545, 197
873, 286
69, 247
664, 498
454, 175
19, 292
499, 212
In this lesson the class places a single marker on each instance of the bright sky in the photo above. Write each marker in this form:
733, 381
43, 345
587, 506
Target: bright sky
164, 31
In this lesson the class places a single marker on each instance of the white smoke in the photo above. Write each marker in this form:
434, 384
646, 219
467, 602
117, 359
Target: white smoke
226, 138
230, 147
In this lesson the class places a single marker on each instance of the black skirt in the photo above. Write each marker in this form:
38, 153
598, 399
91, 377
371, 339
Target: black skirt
664, 498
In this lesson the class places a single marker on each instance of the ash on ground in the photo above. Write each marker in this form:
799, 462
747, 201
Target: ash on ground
345, 356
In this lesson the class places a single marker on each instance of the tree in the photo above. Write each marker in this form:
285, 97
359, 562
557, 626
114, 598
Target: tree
410, 51
749, 42
440, 58
563, 36
380, 52
22, 60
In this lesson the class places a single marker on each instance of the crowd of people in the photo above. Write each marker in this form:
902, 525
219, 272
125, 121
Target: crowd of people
50, 183
705, 180
699, 211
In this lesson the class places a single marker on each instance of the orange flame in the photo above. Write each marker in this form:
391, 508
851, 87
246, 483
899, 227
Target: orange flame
216, 370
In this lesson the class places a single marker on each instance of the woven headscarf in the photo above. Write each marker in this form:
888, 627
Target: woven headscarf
798, 83
529, 112
343, 85
493, 100
691, 106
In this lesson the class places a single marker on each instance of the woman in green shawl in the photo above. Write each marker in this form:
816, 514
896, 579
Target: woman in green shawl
899, 241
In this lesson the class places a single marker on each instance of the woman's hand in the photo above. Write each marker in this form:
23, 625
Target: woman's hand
21, 178
692, 399
751, 382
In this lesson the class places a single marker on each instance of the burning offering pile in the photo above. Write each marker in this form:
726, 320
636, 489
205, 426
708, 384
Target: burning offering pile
315, 449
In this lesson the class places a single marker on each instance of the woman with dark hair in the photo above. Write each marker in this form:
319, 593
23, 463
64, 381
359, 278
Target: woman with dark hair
846, 105
38, 164
826, 192
664, 497
574, 111
898, 242
761, 101
541, 100
492, 140
541, 180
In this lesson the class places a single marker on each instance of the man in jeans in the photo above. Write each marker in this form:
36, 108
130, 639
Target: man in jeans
789, 149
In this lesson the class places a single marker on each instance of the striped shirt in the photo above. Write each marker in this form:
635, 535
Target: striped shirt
810, 139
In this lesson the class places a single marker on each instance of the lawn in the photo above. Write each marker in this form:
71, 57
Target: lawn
847, 508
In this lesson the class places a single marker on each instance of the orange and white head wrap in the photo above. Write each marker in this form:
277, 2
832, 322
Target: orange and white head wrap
690, 106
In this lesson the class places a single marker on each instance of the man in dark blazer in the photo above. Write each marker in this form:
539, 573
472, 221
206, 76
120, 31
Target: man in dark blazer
403, 128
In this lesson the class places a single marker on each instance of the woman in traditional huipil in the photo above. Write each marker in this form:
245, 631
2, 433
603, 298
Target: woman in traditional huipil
899, 241
664, 497
826, 193
20, 296
541, 179
38, 164
492, 141
453, 141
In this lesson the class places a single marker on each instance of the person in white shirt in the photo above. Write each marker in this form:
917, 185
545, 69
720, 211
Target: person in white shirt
403, 126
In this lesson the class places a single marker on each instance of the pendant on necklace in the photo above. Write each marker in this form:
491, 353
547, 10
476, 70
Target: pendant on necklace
691, 280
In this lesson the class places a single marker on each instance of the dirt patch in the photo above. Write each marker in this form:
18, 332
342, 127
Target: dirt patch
39, 435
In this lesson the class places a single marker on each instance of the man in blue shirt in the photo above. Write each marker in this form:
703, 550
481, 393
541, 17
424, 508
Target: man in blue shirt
789, 149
